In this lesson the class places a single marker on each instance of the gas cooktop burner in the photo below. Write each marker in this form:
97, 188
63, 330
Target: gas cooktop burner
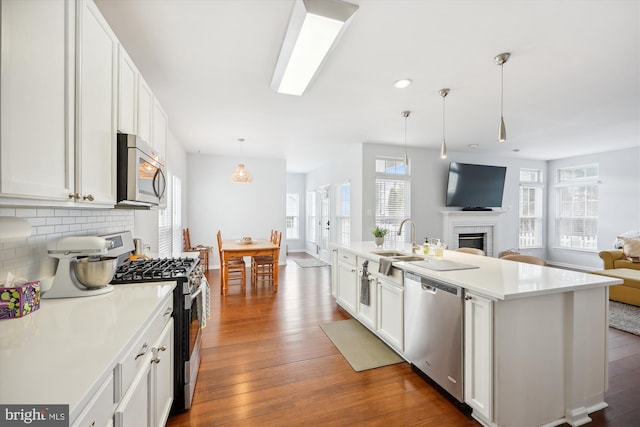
143, 270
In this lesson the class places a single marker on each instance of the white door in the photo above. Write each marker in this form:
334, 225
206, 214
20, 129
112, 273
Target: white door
324, 223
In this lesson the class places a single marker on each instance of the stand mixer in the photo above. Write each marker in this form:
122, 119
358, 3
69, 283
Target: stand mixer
74, 251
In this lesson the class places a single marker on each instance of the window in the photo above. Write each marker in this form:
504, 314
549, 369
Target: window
530, 208
170, 220
343, 215
577, 216
293, 216
392, 198
311, 216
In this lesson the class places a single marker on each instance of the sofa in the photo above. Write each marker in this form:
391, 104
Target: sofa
629, 291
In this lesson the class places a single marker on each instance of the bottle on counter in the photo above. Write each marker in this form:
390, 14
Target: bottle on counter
426, 246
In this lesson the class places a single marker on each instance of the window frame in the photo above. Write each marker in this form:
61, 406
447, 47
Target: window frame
537, 185
396, 172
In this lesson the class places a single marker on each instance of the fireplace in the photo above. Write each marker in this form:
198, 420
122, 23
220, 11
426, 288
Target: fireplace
472, 240
471, 229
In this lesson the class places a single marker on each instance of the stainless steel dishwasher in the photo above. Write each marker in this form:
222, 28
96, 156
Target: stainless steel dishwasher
433, 330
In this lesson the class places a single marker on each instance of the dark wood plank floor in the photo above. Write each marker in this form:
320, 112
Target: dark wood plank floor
267, 363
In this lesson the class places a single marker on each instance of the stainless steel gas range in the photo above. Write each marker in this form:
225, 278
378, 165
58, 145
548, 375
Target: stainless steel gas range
187, 308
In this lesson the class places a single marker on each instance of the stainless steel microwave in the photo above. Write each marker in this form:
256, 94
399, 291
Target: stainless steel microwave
141, 175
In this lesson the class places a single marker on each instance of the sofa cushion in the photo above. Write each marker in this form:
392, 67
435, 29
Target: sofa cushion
631, 248
619, 243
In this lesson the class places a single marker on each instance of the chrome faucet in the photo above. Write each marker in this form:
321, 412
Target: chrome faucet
414, 247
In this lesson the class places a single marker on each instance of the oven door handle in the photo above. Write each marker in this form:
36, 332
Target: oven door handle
187, 301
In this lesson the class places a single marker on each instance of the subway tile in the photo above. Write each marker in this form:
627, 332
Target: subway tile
62, 212
7, 212
54, 220
44, 229
26, 213
35, 222
46, 212
69, 220
61, 228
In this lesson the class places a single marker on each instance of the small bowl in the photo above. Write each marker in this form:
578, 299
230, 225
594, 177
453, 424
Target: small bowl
95, 273
246, 239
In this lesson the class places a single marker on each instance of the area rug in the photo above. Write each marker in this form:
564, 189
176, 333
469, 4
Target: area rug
361, 348
625, 317
309, 262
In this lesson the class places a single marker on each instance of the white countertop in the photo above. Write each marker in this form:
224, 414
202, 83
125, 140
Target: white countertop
496, 278
63, 352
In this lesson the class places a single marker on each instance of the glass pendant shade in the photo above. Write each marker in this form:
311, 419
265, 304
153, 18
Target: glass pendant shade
241, 175
405, 114
443, 150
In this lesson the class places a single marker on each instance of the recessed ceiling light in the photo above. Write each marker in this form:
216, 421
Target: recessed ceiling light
402, 83
516, 150
473, 145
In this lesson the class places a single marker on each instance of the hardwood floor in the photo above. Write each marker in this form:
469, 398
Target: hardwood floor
267, 363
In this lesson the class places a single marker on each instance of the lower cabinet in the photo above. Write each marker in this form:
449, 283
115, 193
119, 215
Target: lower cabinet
478, 344
347, 281
148, 399
99, 411
391, 313
367, 313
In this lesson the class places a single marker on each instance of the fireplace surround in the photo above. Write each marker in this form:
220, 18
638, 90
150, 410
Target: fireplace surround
483, 223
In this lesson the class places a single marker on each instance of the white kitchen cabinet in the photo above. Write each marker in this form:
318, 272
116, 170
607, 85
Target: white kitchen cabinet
162, 372
134, 409
347, 281
96, 107
127, 93
37, 99
160, 130
99, 412
145, 110
478, 355
391, 313
367, 313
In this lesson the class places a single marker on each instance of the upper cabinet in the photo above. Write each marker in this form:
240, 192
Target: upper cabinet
67, 87
127, 93
145, 109
37, 99
96, 106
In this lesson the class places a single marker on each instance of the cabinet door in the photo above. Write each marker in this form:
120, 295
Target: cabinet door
127, 93
37, 93
163, 376
391, 314
347, 291
145, 108
96, 94
134, 409
367, 313
478, 355
160, 131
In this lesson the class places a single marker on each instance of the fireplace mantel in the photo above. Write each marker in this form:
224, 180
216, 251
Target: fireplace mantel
457, 222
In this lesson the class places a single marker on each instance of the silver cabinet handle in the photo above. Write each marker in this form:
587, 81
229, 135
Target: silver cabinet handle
163, 348
468, 297
168, 311
74, 196
88, 197
143, 351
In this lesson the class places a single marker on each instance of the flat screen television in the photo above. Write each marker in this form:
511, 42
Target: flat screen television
475, 187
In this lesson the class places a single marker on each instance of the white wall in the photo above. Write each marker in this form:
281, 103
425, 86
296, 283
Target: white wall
215, 203
618, 203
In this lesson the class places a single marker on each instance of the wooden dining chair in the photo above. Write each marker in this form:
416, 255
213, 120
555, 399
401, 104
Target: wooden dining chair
529, 259
235, 266
473, 251
203, 250
263, 267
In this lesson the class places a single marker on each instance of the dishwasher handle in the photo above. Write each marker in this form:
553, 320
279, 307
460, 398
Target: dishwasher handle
432, 285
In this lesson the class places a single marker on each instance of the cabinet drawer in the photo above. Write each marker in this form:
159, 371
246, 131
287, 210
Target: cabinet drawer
347, 258
99, 411
134, 359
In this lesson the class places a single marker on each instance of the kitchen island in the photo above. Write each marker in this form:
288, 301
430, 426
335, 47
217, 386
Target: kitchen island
75, 351
535, 338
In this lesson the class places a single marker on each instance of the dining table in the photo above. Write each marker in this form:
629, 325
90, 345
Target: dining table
238, 248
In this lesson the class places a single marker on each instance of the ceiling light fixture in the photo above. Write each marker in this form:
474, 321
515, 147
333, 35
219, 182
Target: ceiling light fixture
314, 27
241, 175
405, 114
402, 83
500, 60
443, 146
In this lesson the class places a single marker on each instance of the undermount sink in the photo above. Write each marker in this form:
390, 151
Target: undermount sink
389, 253
408, 258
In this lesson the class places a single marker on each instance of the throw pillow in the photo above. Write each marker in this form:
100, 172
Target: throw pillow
631, 248
619, 243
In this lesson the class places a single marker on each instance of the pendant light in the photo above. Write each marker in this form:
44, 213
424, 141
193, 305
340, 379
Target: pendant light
443, 146
500, 60
241, 175
405, 114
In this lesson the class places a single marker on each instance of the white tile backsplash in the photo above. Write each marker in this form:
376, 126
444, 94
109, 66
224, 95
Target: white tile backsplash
28, 258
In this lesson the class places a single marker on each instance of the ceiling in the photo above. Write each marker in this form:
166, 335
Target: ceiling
571, 86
